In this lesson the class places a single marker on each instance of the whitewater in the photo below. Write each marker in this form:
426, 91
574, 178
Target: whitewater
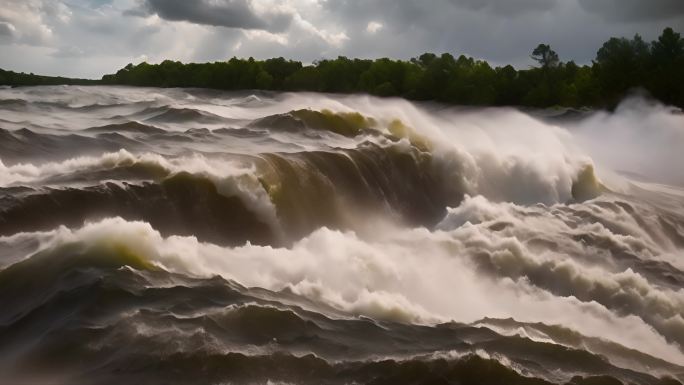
182, 235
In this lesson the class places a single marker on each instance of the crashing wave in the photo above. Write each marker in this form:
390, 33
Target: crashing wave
311, 238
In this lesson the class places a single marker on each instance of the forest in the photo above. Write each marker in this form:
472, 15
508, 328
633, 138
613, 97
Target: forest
621, 66
11, 78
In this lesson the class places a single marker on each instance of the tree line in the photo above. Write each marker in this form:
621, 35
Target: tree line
11, 78
621, 65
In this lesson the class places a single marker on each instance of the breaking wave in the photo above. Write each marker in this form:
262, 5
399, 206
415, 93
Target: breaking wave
167, 235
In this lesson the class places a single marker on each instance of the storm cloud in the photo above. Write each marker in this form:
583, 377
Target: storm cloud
508, 7
637, 10
92, 37
219, 13
6, 29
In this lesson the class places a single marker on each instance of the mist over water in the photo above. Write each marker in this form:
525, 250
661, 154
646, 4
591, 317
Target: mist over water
312, 238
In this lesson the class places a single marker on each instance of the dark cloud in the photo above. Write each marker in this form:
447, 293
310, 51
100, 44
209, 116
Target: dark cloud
218, 13
636, 10
6, 29
507, 7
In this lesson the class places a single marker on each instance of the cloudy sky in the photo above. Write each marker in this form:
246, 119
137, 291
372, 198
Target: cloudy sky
88, 38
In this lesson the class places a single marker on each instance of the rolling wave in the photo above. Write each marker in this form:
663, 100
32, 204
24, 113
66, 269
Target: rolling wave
154, 235
122, 313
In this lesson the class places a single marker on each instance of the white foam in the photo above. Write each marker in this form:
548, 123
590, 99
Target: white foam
403, 275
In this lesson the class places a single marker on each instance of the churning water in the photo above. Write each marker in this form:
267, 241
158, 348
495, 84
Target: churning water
181, 235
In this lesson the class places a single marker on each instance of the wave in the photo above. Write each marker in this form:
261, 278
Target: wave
110, 303
28, 104
385, 279
184, 115
13, 104
240, 368
617, 354
335, 239
132, 126
83, 96
295, 193
340, 189
224, 217
343, 123
557, 175
24, 145
628, 279
307, 190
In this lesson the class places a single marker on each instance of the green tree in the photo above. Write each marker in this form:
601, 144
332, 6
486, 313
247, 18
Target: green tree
621, 64
545, 56
668, 67
669, 47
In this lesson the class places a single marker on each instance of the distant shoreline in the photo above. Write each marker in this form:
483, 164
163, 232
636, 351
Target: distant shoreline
621, 66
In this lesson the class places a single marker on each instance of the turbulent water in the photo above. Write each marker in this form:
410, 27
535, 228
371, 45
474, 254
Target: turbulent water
190, 236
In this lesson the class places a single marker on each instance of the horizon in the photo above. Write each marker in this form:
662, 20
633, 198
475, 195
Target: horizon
90, 38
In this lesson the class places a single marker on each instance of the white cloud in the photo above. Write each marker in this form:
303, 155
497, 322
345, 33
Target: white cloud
259, 35
335, 39
373, 27
28, 21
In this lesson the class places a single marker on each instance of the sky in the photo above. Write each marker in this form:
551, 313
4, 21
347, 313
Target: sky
88, 38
